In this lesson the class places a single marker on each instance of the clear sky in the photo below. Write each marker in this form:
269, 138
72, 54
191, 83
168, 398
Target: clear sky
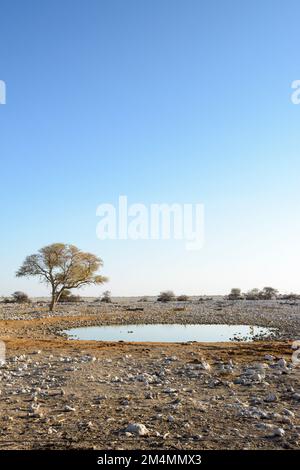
162, 101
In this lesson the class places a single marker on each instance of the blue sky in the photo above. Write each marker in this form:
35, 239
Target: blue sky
162, 101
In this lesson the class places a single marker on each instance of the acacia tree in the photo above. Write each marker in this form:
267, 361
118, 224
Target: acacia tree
235, 294
62, 267
269, 293
106, 297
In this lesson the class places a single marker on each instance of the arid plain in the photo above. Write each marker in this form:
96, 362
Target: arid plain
58, 393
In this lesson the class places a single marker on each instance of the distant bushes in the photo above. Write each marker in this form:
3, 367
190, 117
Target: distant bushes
20, 297
17, 297
166, 296
106, 297
182, 298
267, 293
291, 296
235, 294
204, 299
253, 294
67, 296
169, 296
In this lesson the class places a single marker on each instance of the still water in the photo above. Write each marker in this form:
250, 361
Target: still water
169, 333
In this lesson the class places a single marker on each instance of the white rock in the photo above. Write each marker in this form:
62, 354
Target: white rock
138, 429
171, 359
278, 432
116, 379
170, 390
34, 407
69, 408
204, 365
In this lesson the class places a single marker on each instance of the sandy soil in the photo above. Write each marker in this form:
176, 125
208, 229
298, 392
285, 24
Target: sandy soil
60, 393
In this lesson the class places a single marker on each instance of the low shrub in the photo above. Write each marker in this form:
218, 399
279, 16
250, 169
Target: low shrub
182, 298
267, 293
166, 296
235, 294
106, 297
67, 296
290, 296
20, 298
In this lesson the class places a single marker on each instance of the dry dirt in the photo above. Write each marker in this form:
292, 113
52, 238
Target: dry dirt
57, 393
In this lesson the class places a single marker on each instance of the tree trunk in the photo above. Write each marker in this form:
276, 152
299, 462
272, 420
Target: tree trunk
52, 303
55, 297
53, 300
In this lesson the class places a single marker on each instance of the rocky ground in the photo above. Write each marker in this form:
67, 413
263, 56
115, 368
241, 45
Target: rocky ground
58, 393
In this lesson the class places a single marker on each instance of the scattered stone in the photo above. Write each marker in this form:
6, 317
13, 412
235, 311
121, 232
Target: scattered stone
68, 408
170, 390
288, 412
278, 432
271, 398
204, 365
281, 362
137, 429
183, 394
269, 357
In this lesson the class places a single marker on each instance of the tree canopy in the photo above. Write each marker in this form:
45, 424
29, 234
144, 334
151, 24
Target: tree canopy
63, 267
